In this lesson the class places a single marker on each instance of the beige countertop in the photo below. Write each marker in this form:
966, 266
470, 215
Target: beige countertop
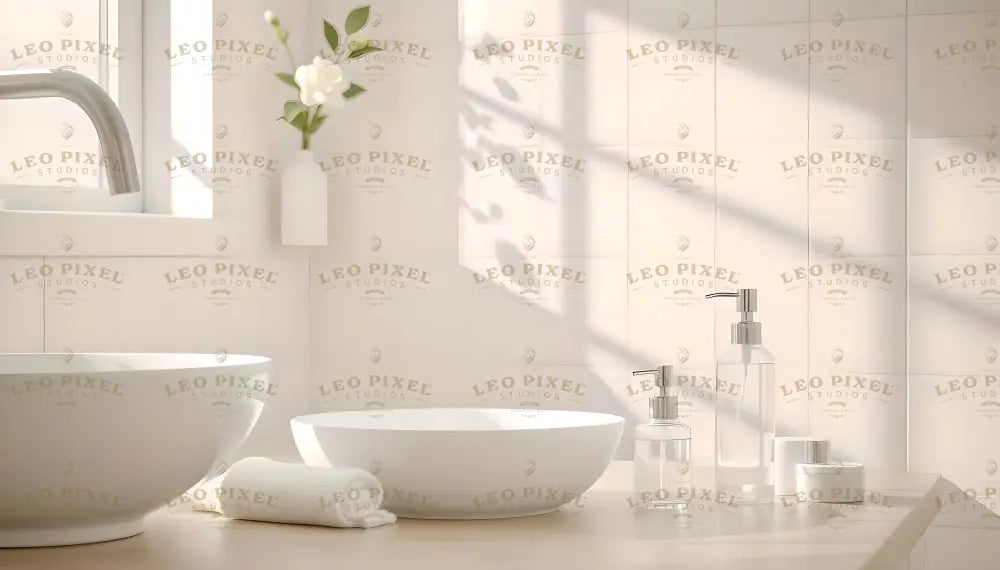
600, 530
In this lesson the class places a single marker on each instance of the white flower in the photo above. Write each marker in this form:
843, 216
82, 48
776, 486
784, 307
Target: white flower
270, 18
319, 79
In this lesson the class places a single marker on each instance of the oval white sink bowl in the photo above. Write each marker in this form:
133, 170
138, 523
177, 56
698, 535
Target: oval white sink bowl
91, 443
466, 463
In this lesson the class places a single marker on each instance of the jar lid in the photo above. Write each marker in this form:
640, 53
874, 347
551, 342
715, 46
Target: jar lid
802, 449
829, 468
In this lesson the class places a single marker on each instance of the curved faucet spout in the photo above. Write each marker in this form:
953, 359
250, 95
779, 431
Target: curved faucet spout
116, 146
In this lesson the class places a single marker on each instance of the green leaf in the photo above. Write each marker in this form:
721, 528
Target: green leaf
353, 91
363, 51
293, 109
357, 19
316, 124
332, 37
299, 122
287, 78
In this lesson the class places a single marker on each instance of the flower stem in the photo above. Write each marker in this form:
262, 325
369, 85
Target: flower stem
306, 135
305, 131
288, 50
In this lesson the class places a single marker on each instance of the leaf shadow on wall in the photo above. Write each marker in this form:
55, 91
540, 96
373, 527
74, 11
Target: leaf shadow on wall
487, 143
480, 110
772, 225
479, 115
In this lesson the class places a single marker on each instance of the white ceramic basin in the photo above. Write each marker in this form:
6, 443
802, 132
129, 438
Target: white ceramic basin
466, 463
91, 443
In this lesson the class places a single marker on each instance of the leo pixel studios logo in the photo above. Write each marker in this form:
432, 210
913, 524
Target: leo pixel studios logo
374, 388
683, 167
67, 393
68, 283
220, 390
531, 279
376, 279
839, 282
228, 167
839, 55
841, 167
530, 167
976, 283
684, 55
682, 279
66, 165
975, 53
397, 56
378, 168
695, 392
840, 394
530, 387
226, 55
978, 168
979, 393
66, 50
529, 58
221, 283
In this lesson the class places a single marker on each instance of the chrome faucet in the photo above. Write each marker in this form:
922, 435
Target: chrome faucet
116, 146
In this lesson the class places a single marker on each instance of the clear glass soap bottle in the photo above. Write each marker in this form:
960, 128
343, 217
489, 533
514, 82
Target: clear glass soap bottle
744, 409
662, 450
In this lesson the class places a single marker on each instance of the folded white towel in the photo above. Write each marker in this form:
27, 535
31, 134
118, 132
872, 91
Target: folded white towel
262, 489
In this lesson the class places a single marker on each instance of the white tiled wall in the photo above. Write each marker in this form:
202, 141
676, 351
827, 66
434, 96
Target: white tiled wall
953, 280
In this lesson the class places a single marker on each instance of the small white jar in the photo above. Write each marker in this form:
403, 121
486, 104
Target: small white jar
788, 453
830, 482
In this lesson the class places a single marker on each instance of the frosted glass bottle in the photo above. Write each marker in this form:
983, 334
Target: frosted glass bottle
744, 409
662, 463
744, 424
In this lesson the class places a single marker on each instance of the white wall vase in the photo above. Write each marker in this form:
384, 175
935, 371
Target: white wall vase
303, 201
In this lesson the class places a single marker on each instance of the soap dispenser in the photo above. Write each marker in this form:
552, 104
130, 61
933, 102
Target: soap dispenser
662, 449
744, 409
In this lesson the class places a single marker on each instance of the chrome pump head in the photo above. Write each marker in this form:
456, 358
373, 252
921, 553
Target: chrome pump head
662, 406
747, 330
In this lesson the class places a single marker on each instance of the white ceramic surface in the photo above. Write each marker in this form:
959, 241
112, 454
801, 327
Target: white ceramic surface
91, 443
466, 463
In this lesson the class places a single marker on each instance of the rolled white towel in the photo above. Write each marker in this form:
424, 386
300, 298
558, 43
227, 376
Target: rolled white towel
262, 489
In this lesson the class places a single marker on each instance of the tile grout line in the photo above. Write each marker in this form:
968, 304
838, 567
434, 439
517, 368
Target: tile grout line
715, 185
906, 231
44, 310
808, 190
628, 181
